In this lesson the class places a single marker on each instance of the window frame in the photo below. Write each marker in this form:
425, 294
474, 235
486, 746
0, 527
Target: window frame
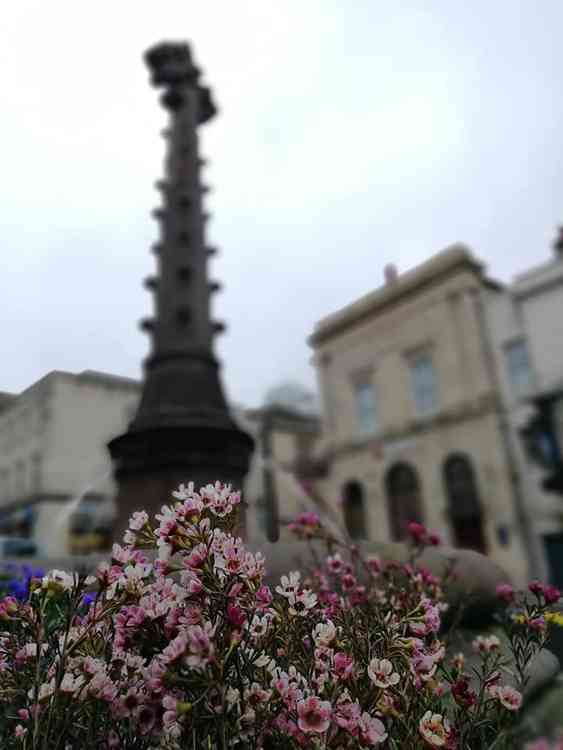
367, 419
421, 409
518, 389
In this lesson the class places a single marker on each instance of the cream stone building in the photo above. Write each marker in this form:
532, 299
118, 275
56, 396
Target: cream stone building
414, 423
55, 477
286, 442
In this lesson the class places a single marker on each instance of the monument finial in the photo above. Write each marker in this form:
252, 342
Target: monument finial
172, 68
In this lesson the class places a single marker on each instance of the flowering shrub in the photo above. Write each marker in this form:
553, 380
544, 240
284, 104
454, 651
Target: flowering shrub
178, 643
15, 579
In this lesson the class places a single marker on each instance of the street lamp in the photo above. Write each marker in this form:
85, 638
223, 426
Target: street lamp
543, 438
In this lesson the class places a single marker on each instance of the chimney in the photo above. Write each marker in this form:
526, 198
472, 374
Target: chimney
391, 273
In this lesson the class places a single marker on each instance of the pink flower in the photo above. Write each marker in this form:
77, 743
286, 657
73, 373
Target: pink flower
8, 606
196, 557
505, 592
417, 532
264, 596
347, 714
313, 715
236, 615
20, 731
510, 698
372, 730
374, 564
536, 587
200, 647
538, 624
335, 563
462, 693
551, 594
343, 665
175, 649
306, 525
146, 718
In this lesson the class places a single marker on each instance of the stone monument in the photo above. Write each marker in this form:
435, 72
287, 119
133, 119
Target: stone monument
183, 429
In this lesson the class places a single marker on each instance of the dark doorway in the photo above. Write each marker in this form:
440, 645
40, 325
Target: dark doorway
404, 500
354, 510
464, 504
554, 552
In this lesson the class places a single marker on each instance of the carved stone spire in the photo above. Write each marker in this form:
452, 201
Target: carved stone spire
183, 429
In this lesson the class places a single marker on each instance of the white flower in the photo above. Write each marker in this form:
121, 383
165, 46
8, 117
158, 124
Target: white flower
289, 585
302, 602
324, 633
232, 696
164, 550
381, 673
434, 728
486, 644
71, 684
60, 578
46, 690
138, 520
183, 492
137, 572
259, 625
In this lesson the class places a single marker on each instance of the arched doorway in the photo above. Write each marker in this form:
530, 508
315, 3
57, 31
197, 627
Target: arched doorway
463, 502
354, 510
404, 501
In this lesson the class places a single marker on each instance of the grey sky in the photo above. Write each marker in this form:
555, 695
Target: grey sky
351, 134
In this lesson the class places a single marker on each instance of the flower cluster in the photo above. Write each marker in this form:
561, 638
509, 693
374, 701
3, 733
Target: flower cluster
178, 641
15, 579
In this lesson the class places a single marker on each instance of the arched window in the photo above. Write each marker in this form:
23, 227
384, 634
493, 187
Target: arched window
354, 510
464, 504
404, 500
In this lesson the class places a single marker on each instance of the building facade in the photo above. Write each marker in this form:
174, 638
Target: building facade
55, 474
414, 424
527, 324
286, 440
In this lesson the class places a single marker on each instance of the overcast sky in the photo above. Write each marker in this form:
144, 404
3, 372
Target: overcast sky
351, 134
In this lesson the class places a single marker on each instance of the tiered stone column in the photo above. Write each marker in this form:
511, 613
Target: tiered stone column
183, 429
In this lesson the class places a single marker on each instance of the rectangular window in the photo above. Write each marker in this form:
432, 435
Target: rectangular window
366, 407
424, 385
20, 479
36, 472
518, 367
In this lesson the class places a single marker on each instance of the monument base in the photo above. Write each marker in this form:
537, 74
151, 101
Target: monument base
150, 464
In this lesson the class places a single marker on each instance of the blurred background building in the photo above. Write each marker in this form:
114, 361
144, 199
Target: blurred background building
426, 384
55, 481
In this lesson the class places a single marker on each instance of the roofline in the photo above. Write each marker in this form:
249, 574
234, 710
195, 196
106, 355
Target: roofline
436, 268
85, 376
